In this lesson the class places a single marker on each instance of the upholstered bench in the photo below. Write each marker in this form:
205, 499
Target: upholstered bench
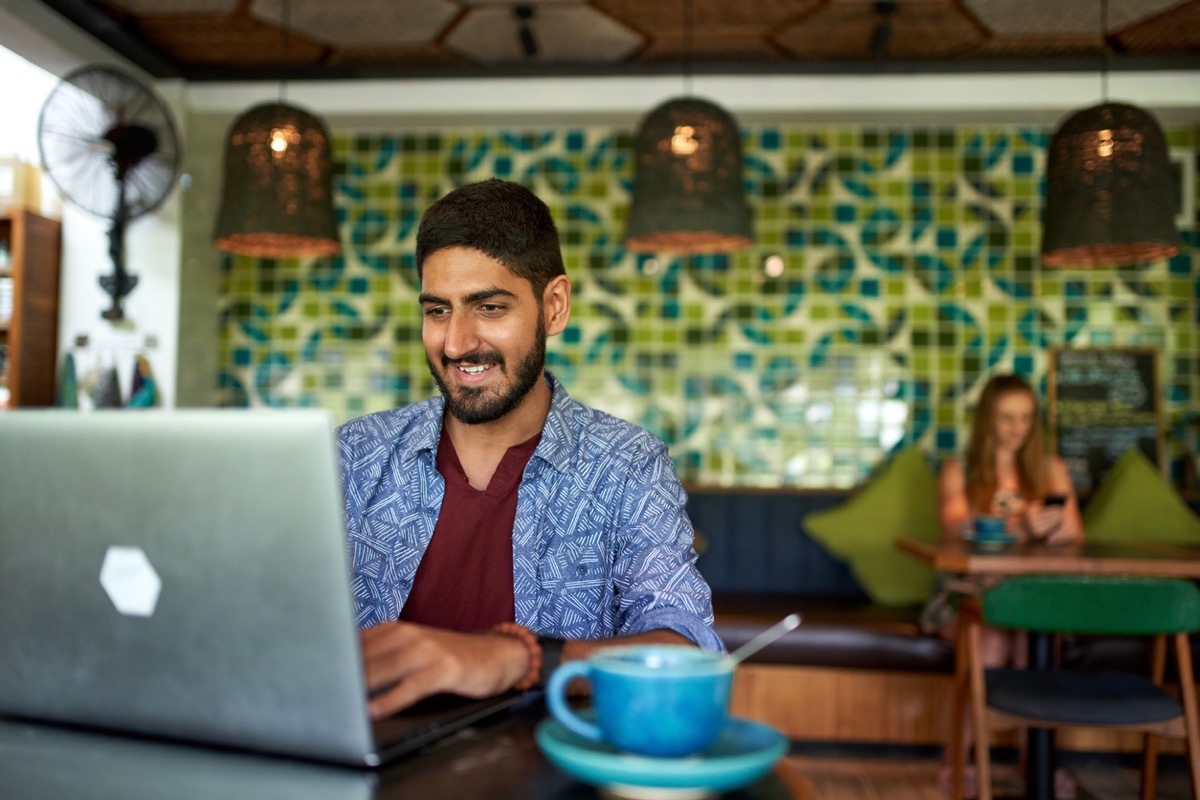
854, 670
832, 634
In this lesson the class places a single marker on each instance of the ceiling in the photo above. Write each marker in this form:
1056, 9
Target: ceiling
205, 40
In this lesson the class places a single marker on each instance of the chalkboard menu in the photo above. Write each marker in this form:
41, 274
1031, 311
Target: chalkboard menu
1101, 403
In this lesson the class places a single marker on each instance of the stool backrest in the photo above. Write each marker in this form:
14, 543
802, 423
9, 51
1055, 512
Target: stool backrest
1099, 604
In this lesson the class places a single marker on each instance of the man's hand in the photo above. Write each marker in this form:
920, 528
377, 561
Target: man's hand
405, 662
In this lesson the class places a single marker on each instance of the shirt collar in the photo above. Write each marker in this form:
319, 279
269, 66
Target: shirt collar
558, 442
555, 448
427, 435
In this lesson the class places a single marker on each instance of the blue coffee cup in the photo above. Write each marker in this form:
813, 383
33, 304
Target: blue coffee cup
987, 527
663, 701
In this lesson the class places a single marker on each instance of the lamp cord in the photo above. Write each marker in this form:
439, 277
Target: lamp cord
285, 20
1104, 52
687, 47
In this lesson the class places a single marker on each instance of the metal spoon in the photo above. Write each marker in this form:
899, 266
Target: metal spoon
765, 638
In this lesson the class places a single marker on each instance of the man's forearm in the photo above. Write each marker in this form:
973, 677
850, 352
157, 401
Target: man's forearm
578, 648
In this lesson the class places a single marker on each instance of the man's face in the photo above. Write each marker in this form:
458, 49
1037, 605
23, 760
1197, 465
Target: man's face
484, 334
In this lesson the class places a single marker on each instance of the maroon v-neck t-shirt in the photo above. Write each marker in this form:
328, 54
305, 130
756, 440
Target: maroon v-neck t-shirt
465, 579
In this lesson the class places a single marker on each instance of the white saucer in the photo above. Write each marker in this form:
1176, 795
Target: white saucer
745, 751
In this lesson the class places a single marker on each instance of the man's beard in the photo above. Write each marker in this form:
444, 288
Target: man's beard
475, 405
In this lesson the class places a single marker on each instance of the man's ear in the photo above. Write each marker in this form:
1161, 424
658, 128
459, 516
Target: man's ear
556, 304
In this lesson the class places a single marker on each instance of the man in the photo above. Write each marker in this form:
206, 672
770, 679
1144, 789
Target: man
503, 510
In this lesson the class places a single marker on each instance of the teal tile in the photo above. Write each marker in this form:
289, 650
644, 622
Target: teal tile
917, 214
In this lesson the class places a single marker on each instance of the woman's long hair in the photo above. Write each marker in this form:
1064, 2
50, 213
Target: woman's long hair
981, 456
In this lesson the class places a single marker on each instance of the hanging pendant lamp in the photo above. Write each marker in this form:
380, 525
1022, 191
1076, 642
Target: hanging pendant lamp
277, 199
687, 188
277, 194
1110, 192
1110, 196
687, 184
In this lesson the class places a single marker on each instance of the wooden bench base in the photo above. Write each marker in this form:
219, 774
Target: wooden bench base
844, 705
876, 707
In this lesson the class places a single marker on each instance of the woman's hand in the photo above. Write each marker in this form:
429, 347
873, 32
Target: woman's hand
1011, 507
1046, 523
1059, 523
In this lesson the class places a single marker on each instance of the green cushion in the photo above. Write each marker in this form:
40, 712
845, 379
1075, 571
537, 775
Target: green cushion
1134, 502
900, 501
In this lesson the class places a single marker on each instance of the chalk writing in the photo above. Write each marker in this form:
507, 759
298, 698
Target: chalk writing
1102, 402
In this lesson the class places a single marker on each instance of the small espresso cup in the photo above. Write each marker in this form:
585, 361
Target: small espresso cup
663, 701
989, 527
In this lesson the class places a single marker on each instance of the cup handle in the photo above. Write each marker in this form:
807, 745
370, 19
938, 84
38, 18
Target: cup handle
556, 699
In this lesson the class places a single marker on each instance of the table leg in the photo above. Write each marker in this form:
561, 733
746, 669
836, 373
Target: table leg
1040, 761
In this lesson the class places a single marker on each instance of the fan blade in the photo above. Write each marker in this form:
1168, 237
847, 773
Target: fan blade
102, 133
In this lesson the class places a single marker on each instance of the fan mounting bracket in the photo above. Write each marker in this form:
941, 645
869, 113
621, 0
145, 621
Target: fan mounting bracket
120, 283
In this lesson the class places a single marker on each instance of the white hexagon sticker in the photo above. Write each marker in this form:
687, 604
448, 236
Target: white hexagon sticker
130, 581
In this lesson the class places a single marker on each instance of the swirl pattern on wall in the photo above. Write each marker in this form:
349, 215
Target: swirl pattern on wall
910, 272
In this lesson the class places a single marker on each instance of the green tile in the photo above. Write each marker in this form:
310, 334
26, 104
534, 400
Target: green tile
591, 213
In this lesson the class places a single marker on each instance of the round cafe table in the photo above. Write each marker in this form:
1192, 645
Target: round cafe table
1135, 559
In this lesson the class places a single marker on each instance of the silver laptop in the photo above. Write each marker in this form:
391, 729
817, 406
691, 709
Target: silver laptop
183, 573
53, 762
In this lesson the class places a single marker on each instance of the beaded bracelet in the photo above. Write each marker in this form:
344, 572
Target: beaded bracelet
525, 637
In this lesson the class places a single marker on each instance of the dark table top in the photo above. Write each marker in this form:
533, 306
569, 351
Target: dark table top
496, 761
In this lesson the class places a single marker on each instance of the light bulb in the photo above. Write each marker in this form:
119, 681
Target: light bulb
684, 143
279, 140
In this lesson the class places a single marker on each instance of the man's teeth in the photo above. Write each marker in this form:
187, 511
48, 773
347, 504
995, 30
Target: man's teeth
473, 369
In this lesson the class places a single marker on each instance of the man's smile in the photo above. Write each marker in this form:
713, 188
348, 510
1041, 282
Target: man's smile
473, 367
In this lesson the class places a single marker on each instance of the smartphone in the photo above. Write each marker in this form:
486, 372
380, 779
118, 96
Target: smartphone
1055, 500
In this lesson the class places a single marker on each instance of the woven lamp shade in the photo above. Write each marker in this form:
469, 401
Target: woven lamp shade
1110, 192
277, 199
687, 189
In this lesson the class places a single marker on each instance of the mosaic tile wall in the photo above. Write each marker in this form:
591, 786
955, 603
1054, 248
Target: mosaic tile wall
907, 271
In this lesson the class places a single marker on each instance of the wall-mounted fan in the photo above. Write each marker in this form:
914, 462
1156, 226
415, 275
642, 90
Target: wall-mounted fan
109, 144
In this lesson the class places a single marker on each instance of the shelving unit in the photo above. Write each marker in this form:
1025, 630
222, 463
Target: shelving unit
30, 336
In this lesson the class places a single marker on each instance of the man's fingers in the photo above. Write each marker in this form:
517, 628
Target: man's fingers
389, 702
388, 651
415, 686
383, 672
404, 663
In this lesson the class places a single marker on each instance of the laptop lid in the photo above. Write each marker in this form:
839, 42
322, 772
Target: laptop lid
183, 573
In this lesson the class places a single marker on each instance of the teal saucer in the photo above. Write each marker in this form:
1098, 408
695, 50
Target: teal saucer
989, 544
744, 752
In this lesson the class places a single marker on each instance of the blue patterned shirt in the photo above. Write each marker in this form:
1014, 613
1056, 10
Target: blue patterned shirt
602, 545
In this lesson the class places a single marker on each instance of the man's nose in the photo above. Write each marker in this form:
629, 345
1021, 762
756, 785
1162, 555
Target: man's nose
461, 336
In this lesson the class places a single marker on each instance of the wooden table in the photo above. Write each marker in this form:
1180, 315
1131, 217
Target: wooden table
1134, 559
1144, 559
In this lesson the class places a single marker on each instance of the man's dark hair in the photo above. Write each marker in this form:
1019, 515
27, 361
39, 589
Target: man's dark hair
500, 218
